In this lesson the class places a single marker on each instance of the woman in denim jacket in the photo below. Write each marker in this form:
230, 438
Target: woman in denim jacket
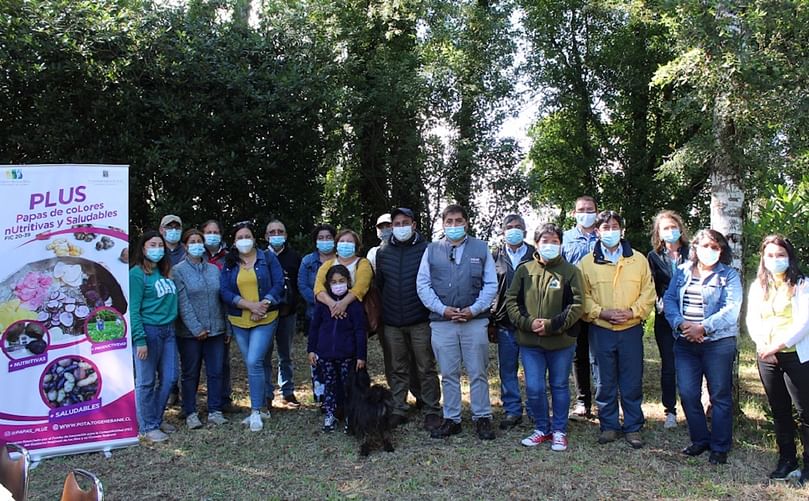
702, 305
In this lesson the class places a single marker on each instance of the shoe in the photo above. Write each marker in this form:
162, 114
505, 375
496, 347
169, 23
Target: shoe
193, 422
510, 421
447, 428
255, 421
607, 436
634, 439
671, 421
718, 457
397, 420
784, 468
329, 423
216, 418
559, 442
167, 427
579, 412
483, 426
231, 408
155, 436
291, 401
694, 450
432, 421
536, 438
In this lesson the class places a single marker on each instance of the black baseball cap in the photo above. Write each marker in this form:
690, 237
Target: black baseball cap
402, 210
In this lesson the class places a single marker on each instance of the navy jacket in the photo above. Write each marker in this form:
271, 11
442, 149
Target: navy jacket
270, 278
334, 338
397, 264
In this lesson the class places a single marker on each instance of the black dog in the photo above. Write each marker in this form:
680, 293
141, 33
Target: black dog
368, 410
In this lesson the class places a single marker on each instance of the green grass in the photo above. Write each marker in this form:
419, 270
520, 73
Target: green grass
292, 459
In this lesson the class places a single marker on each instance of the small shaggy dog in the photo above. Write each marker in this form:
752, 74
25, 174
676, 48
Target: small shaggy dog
368, 410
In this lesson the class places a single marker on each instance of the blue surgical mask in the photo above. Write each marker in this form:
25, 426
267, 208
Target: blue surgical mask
196, 250
776, 264
610, 238
346, 249
403, 233
173, 235
515, 236
670, 236
455, 233
384, 233
213, 240
277, 241
549, 251
155, 254
325, 246
586, 219
708, 256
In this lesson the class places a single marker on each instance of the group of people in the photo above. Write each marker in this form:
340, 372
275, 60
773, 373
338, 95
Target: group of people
571, 302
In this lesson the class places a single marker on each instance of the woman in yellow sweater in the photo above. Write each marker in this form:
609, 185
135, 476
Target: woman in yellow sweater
778, 322
348, 245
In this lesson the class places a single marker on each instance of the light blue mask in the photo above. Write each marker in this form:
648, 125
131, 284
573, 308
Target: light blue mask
277, 241
777, 264
455, 233
670, 236
213, 240
346, 249
610, 238
549, 251
325, 246
196, 250
155, 254
173, 235
515, 236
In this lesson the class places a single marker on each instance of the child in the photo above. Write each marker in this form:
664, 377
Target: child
334, 343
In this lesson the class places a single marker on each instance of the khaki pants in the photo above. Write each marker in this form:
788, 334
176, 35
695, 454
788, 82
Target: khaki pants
407, 347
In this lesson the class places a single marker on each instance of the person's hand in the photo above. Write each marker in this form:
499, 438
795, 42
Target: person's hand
450, 313
312, 359
621, 316
465, 315
338, 309
768, 354
360, 364
607, 314
228, 337
258, 309
693, 332
142, 352
202, 336
538, 326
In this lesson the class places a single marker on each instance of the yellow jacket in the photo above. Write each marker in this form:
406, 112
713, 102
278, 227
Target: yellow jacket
360, 284
627, 284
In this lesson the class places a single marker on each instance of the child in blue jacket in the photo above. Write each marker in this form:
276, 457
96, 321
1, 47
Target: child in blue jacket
335, 343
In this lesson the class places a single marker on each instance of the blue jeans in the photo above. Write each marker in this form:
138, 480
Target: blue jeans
155, 376
537, 362
283, 337
714, 360
192, 353
508, 355
254, 343
616, 358
668, 378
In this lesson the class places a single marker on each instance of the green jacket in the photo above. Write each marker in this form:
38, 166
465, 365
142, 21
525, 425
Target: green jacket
552, 292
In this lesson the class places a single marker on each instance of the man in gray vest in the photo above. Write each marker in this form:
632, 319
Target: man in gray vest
457, 282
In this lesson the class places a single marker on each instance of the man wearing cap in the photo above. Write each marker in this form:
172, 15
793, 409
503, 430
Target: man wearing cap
171, 228
383, 232
406, 336
457, 282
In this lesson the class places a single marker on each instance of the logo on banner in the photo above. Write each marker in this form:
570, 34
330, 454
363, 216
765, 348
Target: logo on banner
13, 173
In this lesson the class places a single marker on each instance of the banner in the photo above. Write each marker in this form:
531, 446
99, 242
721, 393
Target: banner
66, 364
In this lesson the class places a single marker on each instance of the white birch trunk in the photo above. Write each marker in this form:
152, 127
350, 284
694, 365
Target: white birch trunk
727, 206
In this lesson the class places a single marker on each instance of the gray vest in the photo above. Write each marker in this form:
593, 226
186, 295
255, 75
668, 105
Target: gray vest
457, 285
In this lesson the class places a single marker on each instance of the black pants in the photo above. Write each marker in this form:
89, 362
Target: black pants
786, 384
581, 367
668, 376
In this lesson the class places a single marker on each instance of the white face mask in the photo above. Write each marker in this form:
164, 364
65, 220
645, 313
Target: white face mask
708, 256
586, 219
244, 245
339, 289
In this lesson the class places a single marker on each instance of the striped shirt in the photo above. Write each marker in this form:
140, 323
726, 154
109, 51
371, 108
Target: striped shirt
693, 310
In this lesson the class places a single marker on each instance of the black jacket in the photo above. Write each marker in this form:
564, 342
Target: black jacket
660, 264
397, 264
291, 262
505, 274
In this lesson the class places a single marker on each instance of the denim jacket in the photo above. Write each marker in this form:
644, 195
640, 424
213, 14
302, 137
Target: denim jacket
270, 278
306, 281
721, 301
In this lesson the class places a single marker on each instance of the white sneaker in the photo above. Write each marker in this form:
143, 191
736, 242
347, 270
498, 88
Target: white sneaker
329, 423
193, 422
155, 436
217, 418
535, 439
671, 421
559, 442
255, 421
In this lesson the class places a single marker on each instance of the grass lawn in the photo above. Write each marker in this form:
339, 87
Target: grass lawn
292, 459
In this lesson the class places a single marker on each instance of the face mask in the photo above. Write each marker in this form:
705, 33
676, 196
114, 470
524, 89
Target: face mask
610, 238
339, 289
345, 249
776, 265
172, 235
213, 240
402, 233
586, 219
515, 236
196, 250
707, 256
244, 245
455, 233
325, 246
277, 241
549, 251
384, 234
155, 254
670, 236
